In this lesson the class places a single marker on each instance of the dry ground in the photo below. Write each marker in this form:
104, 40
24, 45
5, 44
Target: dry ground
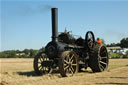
20, 72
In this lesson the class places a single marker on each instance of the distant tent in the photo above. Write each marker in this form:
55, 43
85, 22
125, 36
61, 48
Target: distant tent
114, 48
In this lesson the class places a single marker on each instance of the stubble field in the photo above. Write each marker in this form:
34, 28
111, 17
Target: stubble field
20, 72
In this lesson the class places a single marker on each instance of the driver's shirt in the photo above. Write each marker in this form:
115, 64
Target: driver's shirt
99, 42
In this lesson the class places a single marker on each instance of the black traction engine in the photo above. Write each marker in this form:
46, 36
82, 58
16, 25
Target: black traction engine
69, 55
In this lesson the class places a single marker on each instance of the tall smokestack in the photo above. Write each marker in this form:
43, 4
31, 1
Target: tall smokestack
54, 24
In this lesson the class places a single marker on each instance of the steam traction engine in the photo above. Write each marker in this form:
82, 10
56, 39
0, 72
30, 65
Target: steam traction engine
70, 54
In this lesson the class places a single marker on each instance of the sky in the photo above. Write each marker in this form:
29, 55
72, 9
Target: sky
26, 24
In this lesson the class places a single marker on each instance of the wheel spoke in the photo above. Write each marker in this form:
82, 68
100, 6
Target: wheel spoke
74, 64
71, 58
90, 41
40, 59
65, 64
44, 68
68, 58
102, 67
104, 57
45, 59
72, 61
103, 62
41, 68
71, 70
66, 61
65, 68
39, 62
47, 68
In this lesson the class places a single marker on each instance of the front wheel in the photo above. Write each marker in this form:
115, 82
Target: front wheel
38, 64
68, 63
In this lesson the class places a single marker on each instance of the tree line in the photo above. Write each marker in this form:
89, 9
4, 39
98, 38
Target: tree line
123, 43
26, 53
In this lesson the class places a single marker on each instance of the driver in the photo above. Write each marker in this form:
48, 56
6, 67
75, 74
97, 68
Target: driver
99, 41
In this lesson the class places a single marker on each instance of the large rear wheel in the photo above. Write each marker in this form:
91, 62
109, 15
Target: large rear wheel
68, 63
98, 60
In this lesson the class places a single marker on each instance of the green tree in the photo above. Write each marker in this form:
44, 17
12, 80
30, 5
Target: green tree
124, 43
3, 55
11, 54
26, 51
33, 52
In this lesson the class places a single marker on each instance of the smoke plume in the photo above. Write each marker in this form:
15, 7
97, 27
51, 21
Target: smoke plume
30, 10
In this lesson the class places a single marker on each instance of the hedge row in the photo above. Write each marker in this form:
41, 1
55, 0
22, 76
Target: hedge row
117, 55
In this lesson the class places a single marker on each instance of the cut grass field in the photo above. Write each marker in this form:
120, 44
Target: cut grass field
19, 71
